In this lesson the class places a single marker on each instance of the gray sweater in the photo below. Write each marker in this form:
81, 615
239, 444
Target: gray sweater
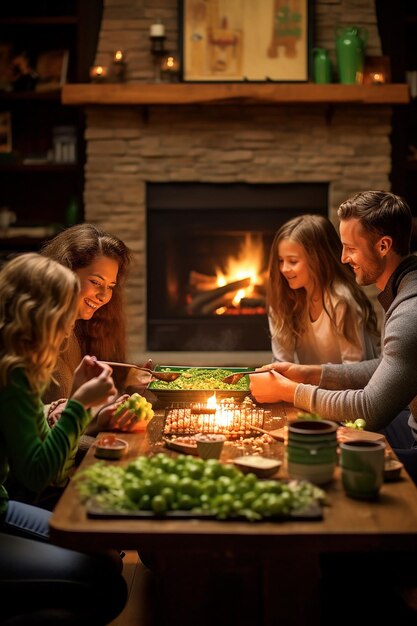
376, 390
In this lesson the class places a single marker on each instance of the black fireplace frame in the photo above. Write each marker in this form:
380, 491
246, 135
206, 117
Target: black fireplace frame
181, 212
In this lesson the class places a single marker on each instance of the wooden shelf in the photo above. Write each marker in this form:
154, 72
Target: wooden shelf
229, 93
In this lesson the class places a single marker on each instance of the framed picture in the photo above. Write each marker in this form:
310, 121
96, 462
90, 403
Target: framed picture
245, 40
5, 131
51, 68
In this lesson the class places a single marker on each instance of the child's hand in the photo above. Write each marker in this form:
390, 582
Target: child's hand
99, 389
88, 368
107, 419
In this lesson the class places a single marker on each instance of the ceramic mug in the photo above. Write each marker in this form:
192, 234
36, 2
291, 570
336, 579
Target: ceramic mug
312, 450
362, 464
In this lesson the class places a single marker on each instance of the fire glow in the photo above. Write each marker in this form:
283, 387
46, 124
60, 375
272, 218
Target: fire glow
238, 287
226, 418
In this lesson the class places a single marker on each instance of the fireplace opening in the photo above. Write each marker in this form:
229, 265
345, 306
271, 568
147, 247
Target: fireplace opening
208, 247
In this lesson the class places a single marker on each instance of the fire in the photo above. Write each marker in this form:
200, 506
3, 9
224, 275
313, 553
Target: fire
248, 263
236, 287
211, 402
223, 417
228, 418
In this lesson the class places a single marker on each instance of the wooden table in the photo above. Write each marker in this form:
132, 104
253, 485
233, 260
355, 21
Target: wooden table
254, 567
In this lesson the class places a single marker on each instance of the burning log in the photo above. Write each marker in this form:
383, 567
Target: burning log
197, 303
201, 282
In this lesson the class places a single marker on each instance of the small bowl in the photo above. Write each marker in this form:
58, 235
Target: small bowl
209, 446
110, 447
392, 469
258, 465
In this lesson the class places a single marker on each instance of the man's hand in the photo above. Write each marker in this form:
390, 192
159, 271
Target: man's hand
308, 374
272, 387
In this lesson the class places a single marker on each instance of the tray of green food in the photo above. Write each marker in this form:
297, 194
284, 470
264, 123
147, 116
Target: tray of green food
196, 384
187, 487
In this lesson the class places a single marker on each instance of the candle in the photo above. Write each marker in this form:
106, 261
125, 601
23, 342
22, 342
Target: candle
377, 77
98, 73
170, 68
157, 30
118, 57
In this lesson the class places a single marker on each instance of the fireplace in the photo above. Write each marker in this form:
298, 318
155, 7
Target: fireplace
195, 233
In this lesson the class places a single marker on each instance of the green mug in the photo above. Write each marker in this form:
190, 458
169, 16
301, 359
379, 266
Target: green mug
362, 465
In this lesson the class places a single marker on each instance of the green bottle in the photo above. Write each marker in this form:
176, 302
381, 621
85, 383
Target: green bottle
322, 66
350, 53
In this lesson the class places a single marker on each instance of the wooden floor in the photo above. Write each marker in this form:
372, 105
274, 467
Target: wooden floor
138, 610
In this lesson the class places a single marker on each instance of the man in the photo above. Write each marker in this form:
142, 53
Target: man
375, 230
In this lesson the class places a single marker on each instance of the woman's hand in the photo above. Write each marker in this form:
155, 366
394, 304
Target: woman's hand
272, 387
93, 383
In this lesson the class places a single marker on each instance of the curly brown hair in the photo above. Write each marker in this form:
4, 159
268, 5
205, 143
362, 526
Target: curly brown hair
104, 335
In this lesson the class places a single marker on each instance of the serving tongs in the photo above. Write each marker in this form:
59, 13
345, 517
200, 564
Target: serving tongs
232, 379
167, 377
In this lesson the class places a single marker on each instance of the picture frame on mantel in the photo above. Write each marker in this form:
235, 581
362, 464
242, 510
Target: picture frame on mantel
245, 40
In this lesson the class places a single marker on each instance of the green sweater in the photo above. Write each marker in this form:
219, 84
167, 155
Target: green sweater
34, 454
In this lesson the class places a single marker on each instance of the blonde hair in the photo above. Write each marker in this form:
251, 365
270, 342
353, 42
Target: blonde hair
288, 308
38, 307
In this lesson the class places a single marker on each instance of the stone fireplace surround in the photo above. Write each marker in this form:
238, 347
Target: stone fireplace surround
344, 146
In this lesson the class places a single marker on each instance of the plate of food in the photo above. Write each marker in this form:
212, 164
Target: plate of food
392, 469
185, 445
345, 433
199, 383
261, 466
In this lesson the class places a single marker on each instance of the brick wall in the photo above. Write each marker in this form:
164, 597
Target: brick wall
346, 146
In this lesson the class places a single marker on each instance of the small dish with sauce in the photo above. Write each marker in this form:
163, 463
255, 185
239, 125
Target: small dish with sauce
110, 447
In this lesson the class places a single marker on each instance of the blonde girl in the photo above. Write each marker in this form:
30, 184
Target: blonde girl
38, 307
317, 313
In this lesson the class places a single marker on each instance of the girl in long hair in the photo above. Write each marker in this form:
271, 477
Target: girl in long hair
317, 312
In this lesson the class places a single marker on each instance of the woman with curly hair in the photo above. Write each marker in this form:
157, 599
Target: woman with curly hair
101, 262
317, 312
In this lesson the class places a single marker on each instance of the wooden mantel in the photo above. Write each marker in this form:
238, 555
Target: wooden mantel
228, 93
